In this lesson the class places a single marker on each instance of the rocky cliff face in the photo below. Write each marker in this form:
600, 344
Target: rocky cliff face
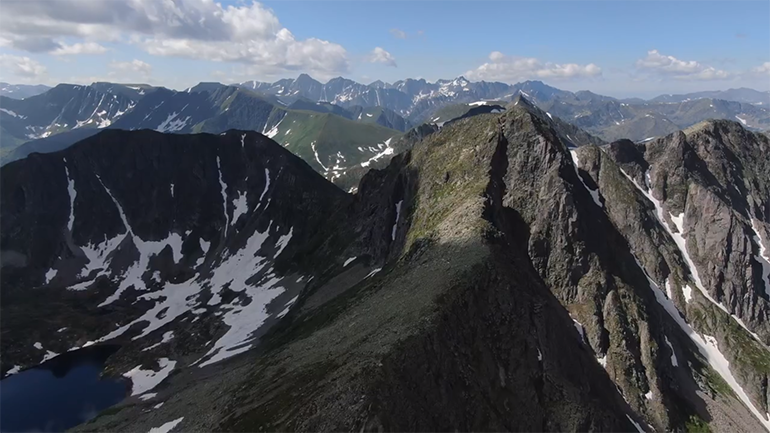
140, 237
490, 277
692, 207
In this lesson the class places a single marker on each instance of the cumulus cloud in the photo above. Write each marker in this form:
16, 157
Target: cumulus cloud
79, 48
378, 55
510, 68
21, 69
135, 65
762, 69
250, 34
679, 69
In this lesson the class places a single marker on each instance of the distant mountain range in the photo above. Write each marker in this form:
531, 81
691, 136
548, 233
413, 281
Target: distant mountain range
491, 276
742, 94
21, 91
330, 138
419, 100
343, 123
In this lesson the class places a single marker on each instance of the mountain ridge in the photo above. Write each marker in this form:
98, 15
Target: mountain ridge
472, 253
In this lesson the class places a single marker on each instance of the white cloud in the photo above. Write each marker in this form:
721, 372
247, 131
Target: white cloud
510, 68
762, 69
21, 69
398, 33
679, 69
79, 48
135, 66
249, 34
378, 55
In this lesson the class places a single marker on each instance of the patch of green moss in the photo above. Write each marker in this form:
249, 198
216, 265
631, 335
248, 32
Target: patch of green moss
716, 382
449, 173
624, 191
113, 410
745, 349
696, 425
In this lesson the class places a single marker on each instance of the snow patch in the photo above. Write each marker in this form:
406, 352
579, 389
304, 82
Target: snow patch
98, 257
167, 336
594, 193
580, 330
145, 380
223, 185
50, 275
681, 244
244, 319
38, 346
72, 193
147, 249
267, 185
172, 124
678, 222
602, 360
273, 131
148, 396
315, 152
12, 113
674, 361
398, 215
240, 206
374, 271
387, 151
669, 291
49, 355
639, 428
348, 261
167, 427
288, 307
763, 258
706, 344
687, 292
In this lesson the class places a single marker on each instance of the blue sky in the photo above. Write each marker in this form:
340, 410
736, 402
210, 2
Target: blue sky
623, 48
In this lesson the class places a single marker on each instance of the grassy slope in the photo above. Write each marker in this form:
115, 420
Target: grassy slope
331, 134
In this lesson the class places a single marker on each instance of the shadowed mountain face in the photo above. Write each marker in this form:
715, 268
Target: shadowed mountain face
127, 220
21, 91
490, 277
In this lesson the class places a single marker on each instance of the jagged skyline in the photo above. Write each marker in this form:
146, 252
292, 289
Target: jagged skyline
574, 45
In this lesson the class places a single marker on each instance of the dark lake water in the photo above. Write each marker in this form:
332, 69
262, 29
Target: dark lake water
59, 394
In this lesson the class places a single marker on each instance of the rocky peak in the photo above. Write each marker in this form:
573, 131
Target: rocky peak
206, 87
133, 212
529, 283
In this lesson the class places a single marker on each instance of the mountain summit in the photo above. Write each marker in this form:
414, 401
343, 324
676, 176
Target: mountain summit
493, 277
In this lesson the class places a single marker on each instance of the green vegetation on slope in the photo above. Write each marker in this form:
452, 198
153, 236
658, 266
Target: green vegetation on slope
326, 140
